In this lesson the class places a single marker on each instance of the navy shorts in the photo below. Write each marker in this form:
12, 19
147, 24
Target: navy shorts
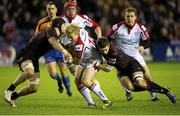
54, 56
134, 66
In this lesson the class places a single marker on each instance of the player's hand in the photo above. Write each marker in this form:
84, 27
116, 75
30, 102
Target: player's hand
68, 56
140, 49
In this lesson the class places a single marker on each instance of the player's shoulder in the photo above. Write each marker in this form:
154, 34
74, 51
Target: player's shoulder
59, 17
45, 19
83, 16
117, 25
141, 26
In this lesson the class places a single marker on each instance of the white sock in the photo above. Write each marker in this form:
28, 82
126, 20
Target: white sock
86, 94
152, 94
97, 90
127, 90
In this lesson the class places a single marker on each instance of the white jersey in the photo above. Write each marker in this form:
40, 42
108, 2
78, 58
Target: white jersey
85, 49
129, 39
81, 20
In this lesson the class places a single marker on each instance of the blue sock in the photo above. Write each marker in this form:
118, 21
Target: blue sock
66, 82
58, 78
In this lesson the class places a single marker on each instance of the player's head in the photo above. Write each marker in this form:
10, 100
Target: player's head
51, 9
103, 45
130, 15
58, 22
70, 8
72, 31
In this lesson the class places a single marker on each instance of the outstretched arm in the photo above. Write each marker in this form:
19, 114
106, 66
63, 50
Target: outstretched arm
55, 43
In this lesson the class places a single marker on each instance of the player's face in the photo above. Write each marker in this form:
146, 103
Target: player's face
72, 37
130, 18
105, 50
71, 11
51, 10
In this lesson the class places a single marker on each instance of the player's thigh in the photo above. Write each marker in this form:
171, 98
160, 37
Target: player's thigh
79, 74
126, 82
147, 74
88, 75
51, 66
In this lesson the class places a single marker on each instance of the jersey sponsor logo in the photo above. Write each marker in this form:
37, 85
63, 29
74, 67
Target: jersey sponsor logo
78, 48
114, 27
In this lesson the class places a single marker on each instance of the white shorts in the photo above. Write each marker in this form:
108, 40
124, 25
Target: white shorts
91, 65
140, 59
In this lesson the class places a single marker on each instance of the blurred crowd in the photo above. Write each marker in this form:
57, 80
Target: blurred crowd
18, 18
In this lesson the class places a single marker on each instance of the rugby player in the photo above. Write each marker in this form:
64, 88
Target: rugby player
132, 37
130, 70
71, 16
27, 59
86, 56
54, 56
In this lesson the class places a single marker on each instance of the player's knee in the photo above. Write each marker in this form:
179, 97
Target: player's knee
87, 83
130, 87
33, 88
141, 84
34, 85
29, 72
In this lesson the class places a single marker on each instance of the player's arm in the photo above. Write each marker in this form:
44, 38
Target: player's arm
38, 27
56, 45
143, 45
105, 67
98, 32
91, 23
145, 41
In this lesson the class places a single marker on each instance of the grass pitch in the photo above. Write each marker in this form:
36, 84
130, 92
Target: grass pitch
47, 101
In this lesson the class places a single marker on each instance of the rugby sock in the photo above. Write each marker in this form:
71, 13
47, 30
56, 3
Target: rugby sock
86, 93
136, 89
14, 96
58, 79
151, 86
97, 90
66, 82
152, 94
12, 87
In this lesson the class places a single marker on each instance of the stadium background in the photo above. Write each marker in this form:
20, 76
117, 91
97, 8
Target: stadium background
18, 19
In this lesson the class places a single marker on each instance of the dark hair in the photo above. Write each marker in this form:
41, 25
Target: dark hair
57, 22
102, 42
51, 3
